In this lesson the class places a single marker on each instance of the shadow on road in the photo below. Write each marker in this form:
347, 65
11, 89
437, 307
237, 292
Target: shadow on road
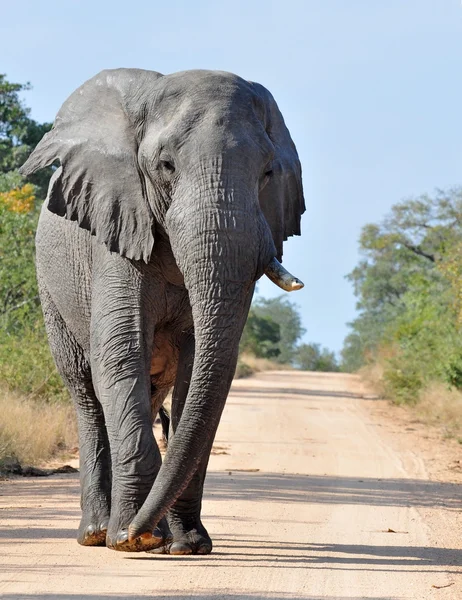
38, 517
325, 489
277, 392
249, 550
206, 595
270, 554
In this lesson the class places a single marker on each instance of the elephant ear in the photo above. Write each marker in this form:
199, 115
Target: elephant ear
281, 200
99, 183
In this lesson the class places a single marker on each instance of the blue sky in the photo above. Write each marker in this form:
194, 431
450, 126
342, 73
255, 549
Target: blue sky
370, 90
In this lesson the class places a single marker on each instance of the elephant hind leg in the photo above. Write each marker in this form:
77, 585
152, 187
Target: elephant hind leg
95, 460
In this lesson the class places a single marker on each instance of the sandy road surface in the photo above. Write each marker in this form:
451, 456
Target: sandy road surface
302, 489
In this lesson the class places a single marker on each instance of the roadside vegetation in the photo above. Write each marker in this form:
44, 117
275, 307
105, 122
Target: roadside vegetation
37, 420
31, 431
36, 417
407, 338
271, 341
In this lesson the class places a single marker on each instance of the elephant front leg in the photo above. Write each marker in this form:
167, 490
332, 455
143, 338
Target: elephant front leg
122, 330
184, 518
136, 461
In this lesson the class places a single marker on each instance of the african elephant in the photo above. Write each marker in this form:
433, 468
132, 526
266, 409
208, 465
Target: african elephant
174, 194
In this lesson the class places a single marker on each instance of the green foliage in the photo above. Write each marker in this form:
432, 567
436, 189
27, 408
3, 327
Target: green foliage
19, 134
19, 303
311, 357
409, 289
273, 330
352, 356
27, 366
283, 314
10, 180
406, 249
261, 336
25, 361
243, 370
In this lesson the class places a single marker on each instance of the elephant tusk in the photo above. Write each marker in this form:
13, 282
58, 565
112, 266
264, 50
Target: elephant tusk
281, 277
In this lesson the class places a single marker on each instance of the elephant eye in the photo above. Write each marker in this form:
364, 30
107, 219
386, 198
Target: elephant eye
266, 177
168, 166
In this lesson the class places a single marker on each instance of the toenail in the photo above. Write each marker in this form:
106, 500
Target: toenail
180, 548
122, 536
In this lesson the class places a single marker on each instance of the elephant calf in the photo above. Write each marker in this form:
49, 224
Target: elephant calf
174, 194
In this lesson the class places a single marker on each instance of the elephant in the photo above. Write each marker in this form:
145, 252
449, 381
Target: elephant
171, 196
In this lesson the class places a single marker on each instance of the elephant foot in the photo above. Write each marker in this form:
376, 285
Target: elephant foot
93, 533
145, 542
187, 540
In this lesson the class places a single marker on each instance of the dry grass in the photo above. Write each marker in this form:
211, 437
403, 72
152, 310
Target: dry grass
372, 376
442, 407
436, 404
249, 364
34, 431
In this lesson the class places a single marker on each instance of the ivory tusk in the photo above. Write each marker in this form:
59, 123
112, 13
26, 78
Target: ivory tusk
281, 277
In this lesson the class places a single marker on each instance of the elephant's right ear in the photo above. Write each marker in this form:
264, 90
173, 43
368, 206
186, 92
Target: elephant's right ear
282, 200
100, 184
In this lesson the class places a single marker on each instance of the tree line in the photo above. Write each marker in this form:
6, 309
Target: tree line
273, 331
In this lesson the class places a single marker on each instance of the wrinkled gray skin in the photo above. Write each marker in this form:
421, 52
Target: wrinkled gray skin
173, 195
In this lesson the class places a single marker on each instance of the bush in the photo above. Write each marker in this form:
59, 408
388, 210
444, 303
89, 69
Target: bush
243, 370
20, 307
409, 289
402, 385
311, 357
261, 336
26, 365
248, 364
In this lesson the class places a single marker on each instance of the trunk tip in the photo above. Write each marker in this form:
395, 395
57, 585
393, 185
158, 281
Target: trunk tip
132, 533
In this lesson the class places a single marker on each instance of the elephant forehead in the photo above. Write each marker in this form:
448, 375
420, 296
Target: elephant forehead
206, 90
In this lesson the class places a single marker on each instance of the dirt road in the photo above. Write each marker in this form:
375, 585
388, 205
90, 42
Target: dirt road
309, 496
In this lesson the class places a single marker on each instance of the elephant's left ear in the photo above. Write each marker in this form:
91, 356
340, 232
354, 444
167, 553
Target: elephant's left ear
281, 200
99, 183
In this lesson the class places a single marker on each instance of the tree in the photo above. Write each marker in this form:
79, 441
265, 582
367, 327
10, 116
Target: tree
311, 357
285, 314
400, 254
260, 337
19, 134
273, 329
25, 361
19, 305
409, 289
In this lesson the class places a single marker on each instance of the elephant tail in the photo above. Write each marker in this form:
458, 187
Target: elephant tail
164, 417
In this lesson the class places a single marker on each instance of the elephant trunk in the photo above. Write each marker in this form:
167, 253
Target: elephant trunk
219, 267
